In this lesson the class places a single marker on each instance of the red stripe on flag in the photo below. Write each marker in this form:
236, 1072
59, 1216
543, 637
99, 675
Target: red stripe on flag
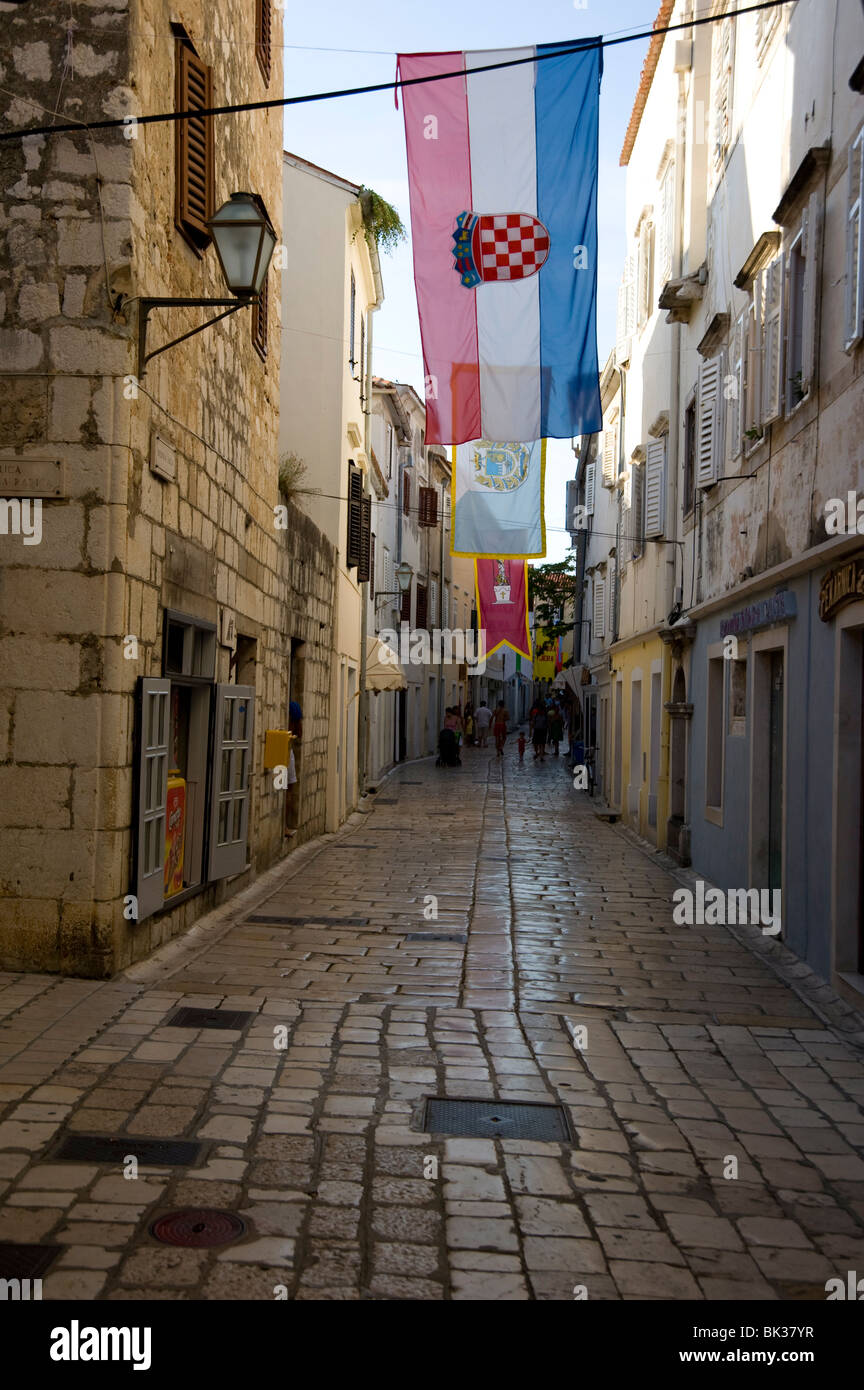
439, 177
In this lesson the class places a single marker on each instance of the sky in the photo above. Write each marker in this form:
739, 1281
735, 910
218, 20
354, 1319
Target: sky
338, 43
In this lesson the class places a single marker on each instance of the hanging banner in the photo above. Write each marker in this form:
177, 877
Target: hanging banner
497, 493
502, 169
502, 604
544, 656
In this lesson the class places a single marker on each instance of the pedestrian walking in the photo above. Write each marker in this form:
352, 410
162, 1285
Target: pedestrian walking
499, 727
482, 720
556, 729
521, 744
539, 730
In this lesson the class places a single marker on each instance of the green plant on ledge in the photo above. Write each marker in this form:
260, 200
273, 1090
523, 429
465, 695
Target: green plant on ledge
382, 224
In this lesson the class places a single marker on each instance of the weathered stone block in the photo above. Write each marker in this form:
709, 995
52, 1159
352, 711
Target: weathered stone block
65, 729
34, 797
20, 350
38, 302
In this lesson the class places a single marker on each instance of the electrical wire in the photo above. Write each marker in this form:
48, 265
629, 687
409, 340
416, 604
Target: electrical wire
559, 50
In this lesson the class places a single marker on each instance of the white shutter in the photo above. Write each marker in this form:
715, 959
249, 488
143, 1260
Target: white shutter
811, 237
722, 84
626, 311
736, 402
665, 226
753, 365
230, 775
153, 746
599, 606
854, 330
445, 606
612, 587
432, 612
589, 488
610, 456
772, 340
708, 425
655, 488
644, 278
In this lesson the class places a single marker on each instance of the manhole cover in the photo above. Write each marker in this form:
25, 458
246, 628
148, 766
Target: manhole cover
483, 1119
26, 1261
198, 1227
150, 1153
209, 1018
433, 936
304, 921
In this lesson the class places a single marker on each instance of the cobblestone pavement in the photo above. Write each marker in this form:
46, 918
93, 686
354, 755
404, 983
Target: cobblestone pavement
697, 1058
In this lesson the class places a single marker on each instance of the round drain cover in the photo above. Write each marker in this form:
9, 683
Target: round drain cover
197, 1226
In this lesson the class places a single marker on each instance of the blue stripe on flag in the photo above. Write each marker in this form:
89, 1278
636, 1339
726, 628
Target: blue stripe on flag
566, 105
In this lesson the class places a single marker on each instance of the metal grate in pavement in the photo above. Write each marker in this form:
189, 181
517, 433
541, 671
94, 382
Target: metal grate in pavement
275, 920
486, 1119
150, 1153
434, 936
209, 1018
26, 1261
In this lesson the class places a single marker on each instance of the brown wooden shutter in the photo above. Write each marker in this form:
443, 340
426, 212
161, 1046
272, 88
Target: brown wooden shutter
355, 517
372, 562
263, 37
364, 565
428, 506
194, 147
405, 610
406, 494
422, 605
260, 311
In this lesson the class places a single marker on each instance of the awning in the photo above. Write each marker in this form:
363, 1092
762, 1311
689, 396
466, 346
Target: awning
383, 671
567, 680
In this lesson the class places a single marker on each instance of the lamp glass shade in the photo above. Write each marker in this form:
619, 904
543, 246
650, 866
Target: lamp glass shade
244, 242
404, 575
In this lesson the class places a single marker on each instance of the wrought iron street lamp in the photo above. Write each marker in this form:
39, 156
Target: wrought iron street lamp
245, 241
404, 575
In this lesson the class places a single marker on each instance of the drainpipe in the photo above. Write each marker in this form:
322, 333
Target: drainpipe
439, 613
366, 369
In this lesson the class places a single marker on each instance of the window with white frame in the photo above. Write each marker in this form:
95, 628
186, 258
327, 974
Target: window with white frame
636, 529
735, 385
645, 268
626, 322
666, 221
614, 581
854, 315
610, 453
599, 596
655, 489
590, 470
721, 89
709, 421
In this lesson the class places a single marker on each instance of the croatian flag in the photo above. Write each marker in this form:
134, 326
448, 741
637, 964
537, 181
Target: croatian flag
502, 169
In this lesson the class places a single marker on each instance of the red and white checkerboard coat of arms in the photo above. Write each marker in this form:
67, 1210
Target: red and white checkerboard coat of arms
498, 246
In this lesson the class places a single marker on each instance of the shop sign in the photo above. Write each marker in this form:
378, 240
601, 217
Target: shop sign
775, 609
841, 585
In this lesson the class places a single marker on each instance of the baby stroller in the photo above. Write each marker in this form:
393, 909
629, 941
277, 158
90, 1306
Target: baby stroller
448, 749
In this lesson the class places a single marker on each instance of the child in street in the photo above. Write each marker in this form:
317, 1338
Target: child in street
521, 744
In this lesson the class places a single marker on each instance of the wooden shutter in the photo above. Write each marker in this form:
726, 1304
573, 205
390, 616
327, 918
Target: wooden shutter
665, 226
154, 698
364, 563
637, 499
260, 311
753, 364
626, 311
811, 238
432, 611
372, 571
736, 371
599, 606
428, 506
722, 84
708, 424
590, 470
772, 340
610, 456
655, 488
194, 147
264, 37
355, 517
406, 494
854, 330
422, 606
646, 236
230, 778
405, 610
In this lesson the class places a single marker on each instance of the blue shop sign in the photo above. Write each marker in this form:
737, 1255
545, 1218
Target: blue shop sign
761, 614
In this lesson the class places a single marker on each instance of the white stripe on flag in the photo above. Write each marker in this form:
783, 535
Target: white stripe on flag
504, 179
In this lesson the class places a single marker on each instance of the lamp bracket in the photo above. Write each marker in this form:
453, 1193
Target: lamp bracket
145, 306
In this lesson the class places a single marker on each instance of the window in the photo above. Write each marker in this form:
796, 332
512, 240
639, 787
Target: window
645, 274
445, 607
610, 455
636, 518
590, 470
714, 734
193, 147
263, 37
655, 488
666, 223
688, 494
736, 387
854, 245
428, 507
795, 276
351, 321
422, 606
721, 89
389, 451
371, 575
626, 322
406, 494
599, 606
361, 373
405, 610
770, 301
432, 613
359, 539
260, 311
766, 24
710, 421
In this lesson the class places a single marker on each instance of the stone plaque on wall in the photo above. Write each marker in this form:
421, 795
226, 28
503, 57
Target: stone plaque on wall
31, 477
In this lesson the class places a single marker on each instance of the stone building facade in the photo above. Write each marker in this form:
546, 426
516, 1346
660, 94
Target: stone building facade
169, 610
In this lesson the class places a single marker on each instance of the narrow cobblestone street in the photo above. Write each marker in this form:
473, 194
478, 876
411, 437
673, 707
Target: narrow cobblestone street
697, 1060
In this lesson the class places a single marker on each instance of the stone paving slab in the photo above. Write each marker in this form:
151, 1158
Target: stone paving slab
719, 1134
